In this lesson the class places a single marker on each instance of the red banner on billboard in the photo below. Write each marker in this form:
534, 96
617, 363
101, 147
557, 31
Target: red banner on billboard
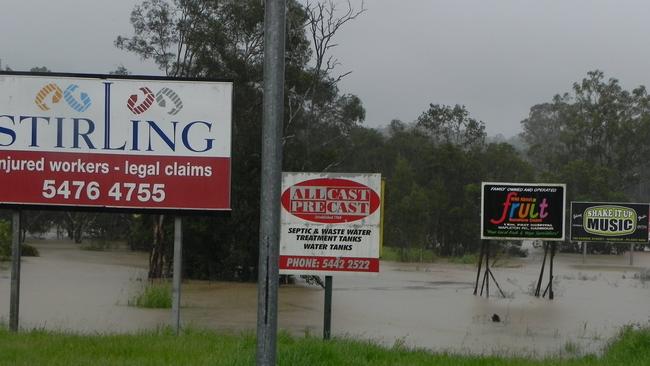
160, 182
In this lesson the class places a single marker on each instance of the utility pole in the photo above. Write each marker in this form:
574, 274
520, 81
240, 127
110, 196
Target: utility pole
273, 115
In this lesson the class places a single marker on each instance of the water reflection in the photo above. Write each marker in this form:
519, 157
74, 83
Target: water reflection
429, 306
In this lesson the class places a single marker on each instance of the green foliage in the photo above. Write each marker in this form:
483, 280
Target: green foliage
629, 347
452, 125
154, 295
434, 182
5, 243
201, 347
27, 250
39, 69
121, 70
464, 259
5, 240
214, 39
593, 138
399, 254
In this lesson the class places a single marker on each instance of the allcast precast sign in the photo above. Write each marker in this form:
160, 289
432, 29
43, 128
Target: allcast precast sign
522, 211
101, 141
330, 223
609, 221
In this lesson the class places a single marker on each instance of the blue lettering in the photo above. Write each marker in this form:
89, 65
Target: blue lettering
34, 127
59, 132
135, 146
165, 138
77, 133
186, 132
107, 119
7, 131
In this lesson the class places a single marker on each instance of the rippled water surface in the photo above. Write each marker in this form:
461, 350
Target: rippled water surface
422, 305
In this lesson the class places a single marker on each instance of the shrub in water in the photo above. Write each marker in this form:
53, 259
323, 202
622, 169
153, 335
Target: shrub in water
155, 295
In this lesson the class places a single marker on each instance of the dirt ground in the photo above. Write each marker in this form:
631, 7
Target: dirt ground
420, 305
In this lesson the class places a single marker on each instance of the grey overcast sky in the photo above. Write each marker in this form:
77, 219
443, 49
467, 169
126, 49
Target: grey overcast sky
497, 57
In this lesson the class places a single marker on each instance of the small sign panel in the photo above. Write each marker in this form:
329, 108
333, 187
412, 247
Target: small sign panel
522, 211
611, 222
330, 223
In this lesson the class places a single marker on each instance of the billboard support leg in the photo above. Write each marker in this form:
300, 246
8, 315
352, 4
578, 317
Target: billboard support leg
584, 252
497, 284
327, 321
541, 273
488, 273
486, 283
176, 281
631, 254
549, 287
14, 302
480, 263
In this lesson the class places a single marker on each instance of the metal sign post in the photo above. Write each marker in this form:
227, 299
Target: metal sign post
549, 288
327, 321
176, 281
485, 284
15, 272
271, 178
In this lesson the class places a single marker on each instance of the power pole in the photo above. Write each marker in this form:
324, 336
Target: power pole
273, 115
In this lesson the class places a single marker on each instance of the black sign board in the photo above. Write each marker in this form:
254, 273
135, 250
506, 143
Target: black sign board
611, 222
522, 211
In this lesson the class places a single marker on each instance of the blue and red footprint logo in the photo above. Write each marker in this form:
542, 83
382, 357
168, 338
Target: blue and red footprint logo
51, 93
80, 101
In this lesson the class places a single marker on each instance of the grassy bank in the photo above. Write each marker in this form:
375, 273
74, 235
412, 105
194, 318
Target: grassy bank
417, 255
196, 347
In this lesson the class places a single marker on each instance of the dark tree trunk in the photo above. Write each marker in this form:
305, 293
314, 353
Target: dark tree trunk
158, 257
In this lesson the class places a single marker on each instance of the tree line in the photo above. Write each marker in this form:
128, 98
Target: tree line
591, 138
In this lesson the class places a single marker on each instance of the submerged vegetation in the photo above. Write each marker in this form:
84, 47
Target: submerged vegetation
5, 243
200, 347
153, 295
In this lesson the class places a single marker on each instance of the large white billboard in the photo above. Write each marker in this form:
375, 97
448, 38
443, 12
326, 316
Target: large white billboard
103, 141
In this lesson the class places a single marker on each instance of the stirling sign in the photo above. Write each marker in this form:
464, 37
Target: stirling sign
104, 141
612, 222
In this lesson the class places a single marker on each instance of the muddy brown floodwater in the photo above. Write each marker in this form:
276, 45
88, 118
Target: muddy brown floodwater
420, 305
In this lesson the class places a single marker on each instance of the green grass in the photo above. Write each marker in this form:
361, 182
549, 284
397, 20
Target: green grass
465, 259
408, 255
198, 347
156, 295
423, 256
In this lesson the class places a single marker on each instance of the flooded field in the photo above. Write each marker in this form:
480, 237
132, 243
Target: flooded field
429, 306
